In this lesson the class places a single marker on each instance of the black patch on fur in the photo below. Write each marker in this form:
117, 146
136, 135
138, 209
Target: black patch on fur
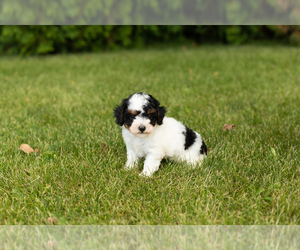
129, 117
153, 102
159, 114
203, 149
190, 137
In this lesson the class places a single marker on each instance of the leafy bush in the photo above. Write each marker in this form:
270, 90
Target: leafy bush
32, 40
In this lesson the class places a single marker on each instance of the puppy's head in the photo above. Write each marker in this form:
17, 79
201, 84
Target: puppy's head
140, 114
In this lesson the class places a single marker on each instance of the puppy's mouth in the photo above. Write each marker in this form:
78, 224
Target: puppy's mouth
141, 134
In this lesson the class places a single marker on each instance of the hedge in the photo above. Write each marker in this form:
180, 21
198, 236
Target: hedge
33, 40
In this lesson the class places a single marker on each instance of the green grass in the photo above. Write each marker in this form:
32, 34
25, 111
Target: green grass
63, 104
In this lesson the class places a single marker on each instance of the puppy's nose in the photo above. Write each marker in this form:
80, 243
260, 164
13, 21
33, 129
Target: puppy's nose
142, 128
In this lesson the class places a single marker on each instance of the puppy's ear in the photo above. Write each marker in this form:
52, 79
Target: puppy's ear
155, 103
119, 112
161, 111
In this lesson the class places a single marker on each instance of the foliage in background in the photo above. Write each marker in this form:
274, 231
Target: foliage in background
62, 39
33, 40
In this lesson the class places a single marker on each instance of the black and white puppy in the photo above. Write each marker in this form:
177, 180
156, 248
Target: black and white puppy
148, 133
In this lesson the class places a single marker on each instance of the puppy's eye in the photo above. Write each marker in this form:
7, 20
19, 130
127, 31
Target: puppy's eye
132, 116
150, 116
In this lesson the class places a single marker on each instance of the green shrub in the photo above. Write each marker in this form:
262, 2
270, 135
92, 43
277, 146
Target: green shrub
33, 40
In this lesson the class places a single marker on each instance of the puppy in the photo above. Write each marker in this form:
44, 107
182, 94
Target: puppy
148, 133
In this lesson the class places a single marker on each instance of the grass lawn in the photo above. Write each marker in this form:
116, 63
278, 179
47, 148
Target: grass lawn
63, 105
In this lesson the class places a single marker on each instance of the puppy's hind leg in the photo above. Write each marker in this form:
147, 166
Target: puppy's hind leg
194, 160
151, 165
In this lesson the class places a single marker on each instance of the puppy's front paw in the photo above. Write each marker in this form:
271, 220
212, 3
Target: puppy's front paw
146, 174
130, 165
